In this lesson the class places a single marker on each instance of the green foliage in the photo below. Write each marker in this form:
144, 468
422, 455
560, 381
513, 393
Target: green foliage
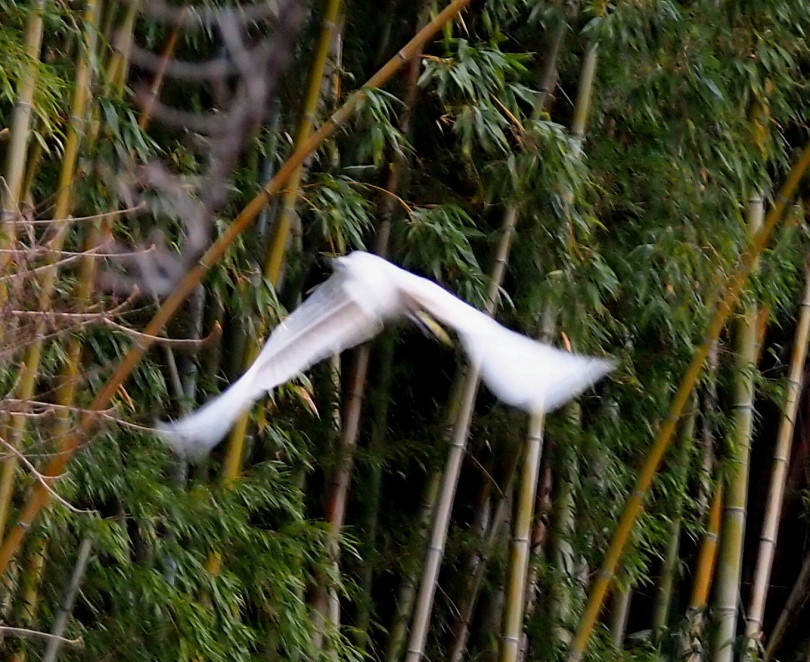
624, 236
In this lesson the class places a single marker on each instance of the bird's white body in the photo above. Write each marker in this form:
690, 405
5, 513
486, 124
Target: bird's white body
350, 307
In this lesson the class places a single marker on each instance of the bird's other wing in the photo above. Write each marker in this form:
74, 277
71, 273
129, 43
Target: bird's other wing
326, 323
528, 374
520, 371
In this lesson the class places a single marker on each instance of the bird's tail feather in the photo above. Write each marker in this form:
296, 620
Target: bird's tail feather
193, 436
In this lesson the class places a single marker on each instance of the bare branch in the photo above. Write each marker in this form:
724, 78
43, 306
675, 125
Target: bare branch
24, 632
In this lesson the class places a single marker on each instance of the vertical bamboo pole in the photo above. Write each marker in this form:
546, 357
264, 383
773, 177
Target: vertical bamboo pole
339, 488
728, 297
519, 563
729, 569
458, 444
781, 456
704, 571
796, 598
619, 611
11, 193
279, 236
63, 204
516, 587
66, 605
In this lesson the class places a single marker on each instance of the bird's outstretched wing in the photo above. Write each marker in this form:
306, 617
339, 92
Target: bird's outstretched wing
328, 322
522, 372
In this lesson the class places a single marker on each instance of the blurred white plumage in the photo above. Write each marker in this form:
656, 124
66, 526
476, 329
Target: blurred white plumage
351, 307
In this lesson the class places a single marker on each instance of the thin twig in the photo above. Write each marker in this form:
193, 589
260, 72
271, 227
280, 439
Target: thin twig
25, 632
45, 481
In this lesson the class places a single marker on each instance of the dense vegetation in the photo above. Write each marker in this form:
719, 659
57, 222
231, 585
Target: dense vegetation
595, 175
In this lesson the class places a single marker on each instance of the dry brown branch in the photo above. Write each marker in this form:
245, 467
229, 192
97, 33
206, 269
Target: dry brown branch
175, 343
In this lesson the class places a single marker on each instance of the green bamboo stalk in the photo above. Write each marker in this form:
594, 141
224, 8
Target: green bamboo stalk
62, 208
666, 582
730, 293
516, 586
729, 569
289, 198
165, 57
781, 456
458, 444
406, 595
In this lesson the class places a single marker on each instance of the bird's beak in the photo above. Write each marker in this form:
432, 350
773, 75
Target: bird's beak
431, 326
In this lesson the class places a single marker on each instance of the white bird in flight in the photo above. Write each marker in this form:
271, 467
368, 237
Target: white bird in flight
349, 308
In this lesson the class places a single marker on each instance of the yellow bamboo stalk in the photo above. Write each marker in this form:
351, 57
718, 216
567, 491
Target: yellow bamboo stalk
118, 62
458, 444
277, 246
519, 564
724, 306
63, 204
729, 569
165, 57
704, 571
11, 193
781, 456
30, 590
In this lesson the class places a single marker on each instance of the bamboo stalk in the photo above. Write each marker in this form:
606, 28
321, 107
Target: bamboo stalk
40, 495
519, 564
619, 611
407, 590
499, 520
563, 531
730, 293
781, 457
704, 571
66, 605
118, 62
30, 590
30, 370
165, 57
280, 234
335, 514
729, 569
458, 444
516, 587
11, 193
21, 120
795, 599
289, 198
